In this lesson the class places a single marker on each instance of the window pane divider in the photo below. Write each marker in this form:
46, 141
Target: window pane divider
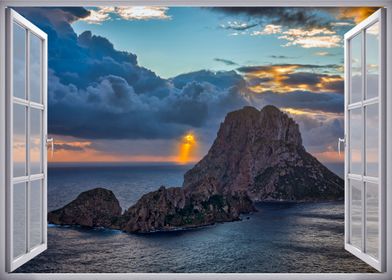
28, 103
20, 101
23, 179
28, 130
363, 103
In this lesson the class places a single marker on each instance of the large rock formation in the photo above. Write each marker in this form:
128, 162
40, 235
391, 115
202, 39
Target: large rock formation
257, 155
93, 208
175, 208
261, 153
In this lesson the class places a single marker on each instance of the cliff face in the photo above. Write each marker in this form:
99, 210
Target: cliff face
93, 208
261, 153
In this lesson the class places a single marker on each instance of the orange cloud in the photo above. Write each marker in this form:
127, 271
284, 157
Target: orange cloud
287, 78
356, 14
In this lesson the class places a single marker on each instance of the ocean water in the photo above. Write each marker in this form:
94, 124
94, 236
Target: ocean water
279, 237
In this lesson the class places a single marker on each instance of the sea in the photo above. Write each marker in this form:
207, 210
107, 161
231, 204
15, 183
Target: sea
278, 238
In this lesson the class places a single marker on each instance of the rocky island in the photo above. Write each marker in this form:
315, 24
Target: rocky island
256, 156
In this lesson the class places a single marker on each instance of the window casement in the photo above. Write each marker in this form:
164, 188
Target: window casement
26, 196
365, 189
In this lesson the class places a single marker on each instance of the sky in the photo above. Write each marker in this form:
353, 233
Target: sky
153, 84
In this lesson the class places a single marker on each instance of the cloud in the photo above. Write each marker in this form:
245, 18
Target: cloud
112, 109
287, 67
355, 14
342, 23
220, 79
282, 78
101, 14
301, 27
330, 41
97, 16
143, 13
238, 25
324, 53
315, 37
281, 57
227, 62
289, 17
306, 38
329, 102
269, 29
306, 18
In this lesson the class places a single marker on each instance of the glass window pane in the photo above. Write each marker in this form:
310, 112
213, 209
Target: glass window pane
372, 60
35, 213
355, 141
19, 219
371, 113
356, 213
372, 219
19, 140
19, 61
356, 68
35, 69
35, 141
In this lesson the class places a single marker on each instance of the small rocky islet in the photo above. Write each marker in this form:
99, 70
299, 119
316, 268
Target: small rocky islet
257, 155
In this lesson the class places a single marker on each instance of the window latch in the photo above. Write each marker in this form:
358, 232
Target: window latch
340, 141
51, 142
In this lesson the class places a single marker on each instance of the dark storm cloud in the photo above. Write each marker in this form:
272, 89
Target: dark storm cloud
96, 91
289, 17
328, 102
225, 61
111, 109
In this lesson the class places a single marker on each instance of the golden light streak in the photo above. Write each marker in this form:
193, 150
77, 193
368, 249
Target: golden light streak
187, 148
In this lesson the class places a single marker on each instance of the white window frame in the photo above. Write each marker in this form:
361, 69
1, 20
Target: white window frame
377, 17
13, 263
271, 3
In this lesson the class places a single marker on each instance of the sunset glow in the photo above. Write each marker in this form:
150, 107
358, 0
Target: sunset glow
187, 149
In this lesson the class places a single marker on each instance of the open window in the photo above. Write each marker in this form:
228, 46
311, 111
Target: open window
365, 141
26, 132
365, 119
